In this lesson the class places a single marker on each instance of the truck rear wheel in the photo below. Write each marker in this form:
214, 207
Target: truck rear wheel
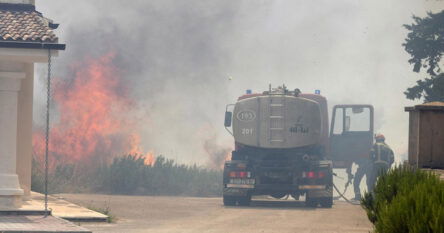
244, 201
241, 200
326, 202
229, 200
278, 195
310, 202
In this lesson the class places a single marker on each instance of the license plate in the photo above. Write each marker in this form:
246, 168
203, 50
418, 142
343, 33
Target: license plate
242, 181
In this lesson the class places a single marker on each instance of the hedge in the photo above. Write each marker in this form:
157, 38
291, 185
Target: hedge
406, 200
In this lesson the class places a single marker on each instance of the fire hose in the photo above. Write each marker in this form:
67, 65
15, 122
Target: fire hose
346, 186
342, 195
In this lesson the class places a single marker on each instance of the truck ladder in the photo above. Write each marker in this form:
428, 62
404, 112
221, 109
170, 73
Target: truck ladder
277, 121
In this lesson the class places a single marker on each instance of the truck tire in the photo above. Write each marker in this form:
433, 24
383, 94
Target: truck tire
229, 200
278, 195
244, 201
327, 202
310, 202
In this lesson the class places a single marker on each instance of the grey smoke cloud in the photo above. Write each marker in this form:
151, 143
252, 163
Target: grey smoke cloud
176, 57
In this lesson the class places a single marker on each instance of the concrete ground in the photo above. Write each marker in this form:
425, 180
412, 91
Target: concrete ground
37, 224
61, 208
190, 214
30, 217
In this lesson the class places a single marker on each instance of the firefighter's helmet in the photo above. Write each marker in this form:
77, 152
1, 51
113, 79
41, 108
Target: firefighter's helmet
379, 137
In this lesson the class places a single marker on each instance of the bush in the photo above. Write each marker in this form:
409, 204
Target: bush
37, 177
124, 175
406, 200
62, 178
130, 175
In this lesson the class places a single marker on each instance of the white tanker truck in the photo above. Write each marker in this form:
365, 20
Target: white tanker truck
282, 146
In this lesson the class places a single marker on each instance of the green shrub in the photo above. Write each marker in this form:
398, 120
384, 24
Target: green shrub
398, 180
111, 218
124, 174
406, 200
130, 175
419, 211
59, 179
37, 177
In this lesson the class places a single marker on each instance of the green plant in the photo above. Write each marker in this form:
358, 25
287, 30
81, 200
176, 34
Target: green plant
418, 211
406, 200
124, 174
61, 178
104, 210
37, 177
130, 175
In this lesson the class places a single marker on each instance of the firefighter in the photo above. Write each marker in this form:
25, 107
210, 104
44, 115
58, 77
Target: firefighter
364, 168
382, 159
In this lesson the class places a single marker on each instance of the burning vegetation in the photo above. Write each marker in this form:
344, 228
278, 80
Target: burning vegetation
94, 133
93, 120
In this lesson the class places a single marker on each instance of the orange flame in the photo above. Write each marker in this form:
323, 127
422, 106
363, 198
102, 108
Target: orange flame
136, 150
149, 159
93, 115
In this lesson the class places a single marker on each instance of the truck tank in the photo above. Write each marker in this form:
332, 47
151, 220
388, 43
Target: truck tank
277, 120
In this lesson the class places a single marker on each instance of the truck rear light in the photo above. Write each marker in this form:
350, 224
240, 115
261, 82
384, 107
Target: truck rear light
239, 174
311, 174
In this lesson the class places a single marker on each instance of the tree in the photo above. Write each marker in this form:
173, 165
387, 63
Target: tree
425, 44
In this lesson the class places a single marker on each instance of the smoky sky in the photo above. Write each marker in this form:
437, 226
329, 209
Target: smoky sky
176, 57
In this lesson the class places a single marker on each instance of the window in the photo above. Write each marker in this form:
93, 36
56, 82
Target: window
338, 124
359, 119
351, 119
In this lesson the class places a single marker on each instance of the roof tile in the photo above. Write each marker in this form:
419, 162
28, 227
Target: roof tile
25, 26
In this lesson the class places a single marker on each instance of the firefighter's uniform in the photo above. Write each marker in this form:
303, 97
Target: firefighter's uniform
364, 168
382, 159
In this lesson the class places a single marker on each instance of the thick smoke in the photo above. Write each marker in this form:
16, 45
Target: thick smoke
218, 154
176, 57
217, 148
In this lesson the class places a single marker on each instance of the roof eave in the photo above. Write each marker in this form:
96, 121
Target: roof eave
17, 7
32, 45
